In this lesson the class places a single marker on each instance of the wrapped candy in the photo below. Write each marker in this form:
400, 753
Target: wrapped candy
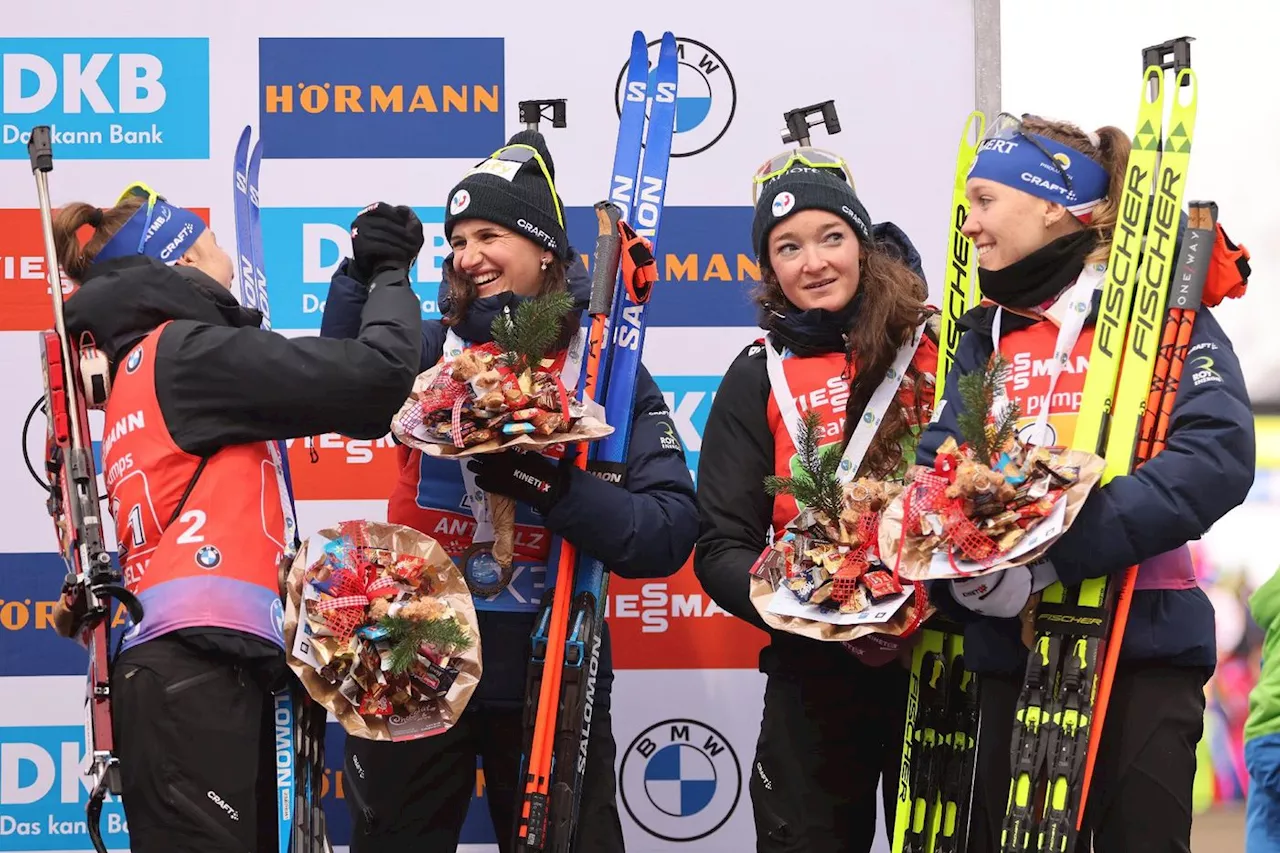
506, 394
383, 631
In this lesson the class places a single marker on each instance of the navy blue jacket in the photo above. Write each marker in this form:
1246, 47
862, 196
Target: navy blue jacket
645, 530
1205, 470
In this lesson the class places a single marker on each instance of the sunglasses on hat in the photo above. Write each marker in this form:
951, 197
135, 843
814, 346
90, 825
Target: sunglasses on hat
1008, 126
814, 158
505, 162
138, 188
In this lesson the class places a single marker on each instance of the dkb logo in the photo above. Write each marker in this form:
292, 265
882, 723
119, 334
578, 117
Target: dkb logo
107, 98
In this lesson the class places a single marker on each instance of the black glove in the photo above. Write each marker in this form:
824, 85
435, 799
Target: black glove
384, 238
530, 478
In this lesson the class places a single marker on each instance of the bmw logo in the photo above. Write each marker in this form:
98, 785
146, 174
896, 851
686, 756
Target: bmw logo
208, 557
134, 360
680, 780
277, 617
706, 95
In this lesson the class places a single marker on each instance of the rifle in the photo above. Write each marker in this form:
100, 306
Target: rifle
77, 378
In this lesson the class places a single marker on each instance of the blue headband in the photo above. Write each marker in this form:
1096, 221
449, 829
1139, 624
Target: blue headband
1023, 166
164, 232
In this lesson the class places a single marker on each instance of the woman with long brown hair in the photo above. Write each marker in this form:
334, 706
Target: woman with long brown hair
505, 226
840, 301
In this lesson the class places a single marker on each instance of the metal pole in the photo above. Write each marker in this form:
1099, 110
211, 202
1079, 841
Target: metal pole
986, 56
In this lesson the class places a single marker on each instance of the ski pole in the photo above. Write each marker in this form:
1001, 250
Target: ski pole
532, 821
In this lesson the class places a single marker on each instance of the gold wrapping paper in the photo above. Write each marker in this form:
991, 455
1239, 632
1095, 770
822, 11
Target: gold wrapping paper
447, 584
502, 514
916, 560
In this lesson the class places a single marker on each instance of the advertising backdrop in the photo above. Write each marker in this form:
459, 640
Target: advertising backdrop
392, 101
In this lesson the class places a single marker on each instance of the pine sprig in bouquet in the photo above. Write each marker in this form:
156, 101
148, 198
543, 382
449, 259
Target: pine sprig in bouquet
508, 393
827, 556
978, 397
382, 630
526, 338
986, 492
817, 485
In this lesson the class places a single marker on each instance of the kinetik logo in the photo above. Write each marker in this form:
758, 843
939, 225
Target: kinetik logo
381, 97
25, 301
706, 95
107, 98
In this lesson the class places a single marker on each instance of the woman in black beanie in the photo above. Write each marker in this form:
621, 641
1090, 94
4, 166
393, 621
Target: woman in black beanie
841, 302
505, 224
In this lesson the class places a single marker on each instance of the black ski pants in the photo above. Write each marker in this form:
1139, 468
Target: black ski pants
826, 742
194, 737
1140, 800
412, 796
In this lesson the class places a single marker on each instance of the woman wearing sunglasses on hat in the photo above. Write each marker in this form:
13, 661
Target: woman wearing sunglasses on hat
1044, 201
199, 395
841, 302
505, 226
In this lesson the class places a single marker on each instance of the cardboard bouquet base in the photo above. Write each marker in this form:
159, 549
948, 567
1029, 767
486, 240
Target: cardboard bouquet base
446, 587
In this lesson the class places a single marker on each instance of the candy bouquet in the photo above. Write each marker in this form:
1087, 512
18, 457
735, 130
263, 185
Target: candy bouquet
382, 630
505, 394
990, 502
824, 577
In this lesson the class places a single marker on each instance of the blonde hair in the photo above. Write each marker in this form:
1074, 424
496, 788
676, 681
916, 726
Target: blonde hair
1112, 151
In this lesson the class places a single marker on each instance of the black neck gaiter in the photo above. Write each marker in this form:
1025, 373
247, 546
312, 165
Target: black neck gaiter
1041, 275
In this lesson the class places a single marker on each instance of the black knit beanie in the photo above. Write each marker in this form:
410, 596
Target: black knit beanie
512, 194
806, 188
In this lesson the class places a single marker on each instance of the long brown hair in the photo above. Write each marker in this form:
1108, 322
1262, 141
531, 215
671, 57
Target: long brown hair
74, 258
892, 306
1112, 151
462, 292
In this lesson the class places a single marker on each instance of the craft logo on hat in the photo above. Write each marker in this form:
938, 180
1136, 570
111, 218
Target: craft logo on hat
849, 212
459, 202
706, 95
782, 203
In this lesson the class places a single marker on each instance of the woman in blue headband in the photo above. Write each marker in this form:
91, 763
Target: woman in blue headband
199, 396
1044, 201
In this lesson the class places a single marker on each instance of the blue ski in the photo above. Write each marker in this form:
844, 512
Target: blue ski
620, 363
301, 830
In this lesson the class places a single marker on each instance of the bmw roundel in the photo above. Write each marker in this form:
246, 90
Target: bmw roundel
277, 617
134, 361
706, 95
208, 557
680, 780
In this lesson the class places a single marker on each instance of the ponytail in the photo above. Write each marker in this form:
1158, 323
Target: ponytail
74, 258
1112, 152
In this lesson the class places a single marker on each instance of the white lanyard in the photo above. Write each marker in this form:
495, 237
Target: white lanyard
453, 347
1078, 304
871, 417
